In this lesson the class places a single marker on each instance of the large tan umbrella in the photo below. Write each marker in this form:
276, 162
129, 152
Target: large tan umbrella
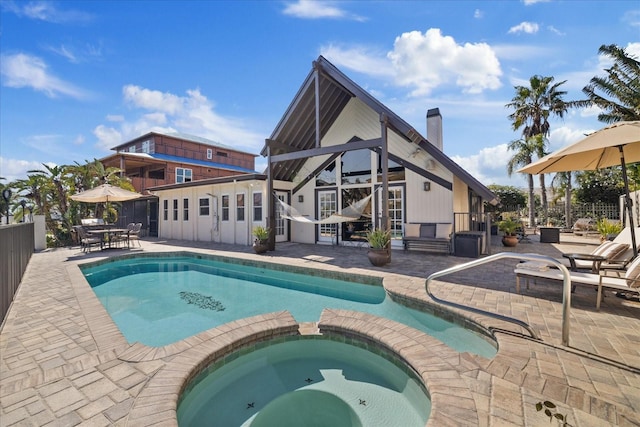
105, 193
614, 145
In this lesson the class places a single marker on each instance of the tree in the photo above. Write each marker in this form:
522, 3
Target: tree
618, 93
533, 106
524, 150
562, 181
599, 186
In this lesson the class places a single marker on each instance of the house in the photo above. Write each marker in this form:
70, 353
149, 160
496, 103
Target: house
166, 158
336, 144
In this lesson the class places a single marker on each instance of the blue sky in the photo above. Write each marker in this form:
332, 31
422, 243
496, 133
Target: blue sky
78, 78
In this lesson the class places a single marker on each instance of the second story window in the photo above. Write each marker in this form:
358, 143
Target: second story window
132, 149
185, 209
183, 175
146, 146
225, 207
209, 153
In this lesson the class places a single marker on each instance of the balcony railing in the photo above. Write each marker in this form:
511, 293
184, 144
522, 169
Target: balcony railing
17, 244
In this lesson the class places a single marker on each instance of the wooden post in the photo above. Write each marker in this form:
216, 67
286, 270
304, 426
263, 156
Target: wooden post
271, 206
384, 160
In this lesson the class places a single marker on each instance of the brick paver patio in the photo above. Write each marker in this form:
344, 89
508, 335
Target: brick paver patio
64, 363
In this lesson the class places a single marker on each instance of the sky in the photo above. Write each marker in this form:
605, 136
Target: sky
81, 77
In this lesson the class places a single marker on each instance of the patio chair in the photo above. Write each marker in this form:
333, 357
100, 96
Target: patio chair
134, 233
521, 232
87, 240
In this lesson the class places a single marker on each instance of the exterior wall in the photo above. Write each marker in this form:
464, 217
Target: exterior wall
436, 205
212, 227
193, 150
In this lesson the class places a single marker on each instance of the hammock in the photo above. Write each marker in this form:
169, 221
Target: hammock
350, 213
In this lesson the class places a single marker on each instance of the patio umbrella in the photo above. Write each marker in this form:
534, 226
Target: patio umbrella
614, 145
105, 193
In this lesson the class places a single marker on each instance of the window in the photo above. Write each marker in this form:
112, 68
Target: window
240, 207
146, 146
395, 171
327, 176
165, 209
225, 207
175, 209
209, 153
156, 174
132, 149
183, 175
185, 209
221, 154
204, 206
356, 167
257, 207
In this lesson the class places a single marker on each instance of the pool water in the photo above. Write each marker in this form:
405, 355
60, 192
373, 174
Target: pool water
158, 301
305, 383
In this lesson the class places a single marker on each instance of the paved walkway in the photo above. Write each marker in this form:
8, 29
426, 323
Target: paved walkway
63, 363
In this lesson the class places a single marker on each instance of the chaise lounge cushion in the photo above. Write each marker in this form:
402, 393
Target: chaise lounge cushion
633, 273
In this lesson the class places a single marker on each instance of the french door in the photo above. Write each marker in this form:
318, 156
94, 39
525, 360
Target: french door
396, 213
327, 206
282, 231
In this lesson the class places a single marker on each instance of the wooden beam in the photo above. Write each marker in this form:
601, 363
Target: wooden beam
313, 152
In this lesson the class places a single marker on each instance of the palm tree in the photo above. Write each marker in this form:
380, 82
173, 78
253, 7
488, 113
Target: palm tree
524, 151
620, 89
533, 105
562, 180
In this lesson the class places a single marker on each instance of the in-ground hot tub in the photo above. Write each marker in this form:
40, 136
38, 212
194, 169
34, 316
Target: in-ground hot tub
310, 382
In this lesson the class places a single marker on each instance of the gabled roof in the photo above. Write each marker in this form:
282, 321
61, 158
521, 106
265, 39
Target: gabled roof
296, 130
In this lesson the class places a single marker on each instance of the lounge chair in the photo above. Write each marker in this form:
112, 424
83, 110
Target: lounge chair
617, 253
622, 280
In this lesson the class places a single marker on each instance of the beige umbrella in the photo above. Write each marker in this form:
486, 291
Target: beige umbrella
614, 145
105, 193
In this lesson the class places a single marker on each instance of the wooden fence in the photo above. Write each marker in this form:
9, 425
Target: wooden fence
16, 247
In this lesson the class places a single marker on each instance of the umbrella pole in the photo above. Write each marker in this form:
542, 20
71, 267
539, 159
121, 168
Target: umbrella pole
627, 201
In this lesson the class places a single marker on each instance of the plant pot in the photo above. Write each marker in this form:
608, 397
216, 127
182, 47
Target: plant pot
379, 257
510, 241
260, 247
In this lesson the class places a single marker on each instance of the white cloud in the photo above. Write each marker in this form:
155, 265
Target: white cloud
632, 18
13, 169
530, 2
360, 59
488, 165
478, 14
426, 61
115, 117
555, 30
317, 9
166, 112
46, 11
525, 27
23, 70
633, 49
564, 135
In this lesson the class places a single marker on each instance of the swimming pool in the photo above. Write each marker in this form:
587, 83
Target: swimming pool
160, 299
305, 382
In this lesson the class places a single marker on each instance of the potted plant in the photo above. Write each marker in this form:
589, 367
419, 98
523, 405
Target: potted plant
509, 227
260, 245
608, 230
379, 247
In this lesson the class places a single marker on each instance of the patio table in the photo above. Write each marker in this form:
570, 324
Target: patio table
111, 234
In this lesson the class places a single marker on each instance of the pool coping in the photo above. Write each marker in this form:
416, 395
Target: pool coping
437, 365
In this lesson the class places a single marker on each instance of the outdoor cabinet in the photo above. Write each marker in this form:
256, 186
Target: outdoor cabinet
549, 235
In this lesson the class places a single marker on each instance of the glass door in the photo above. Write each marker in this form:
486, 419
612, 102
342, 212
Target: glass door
396, 213
327, 206
282, 231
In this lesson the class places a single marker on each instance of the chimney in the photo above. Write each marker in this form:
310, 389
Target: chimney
434, 127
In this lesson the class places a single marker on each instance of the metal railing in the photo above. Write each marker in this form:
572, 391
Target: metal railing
566, 289
17, 244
